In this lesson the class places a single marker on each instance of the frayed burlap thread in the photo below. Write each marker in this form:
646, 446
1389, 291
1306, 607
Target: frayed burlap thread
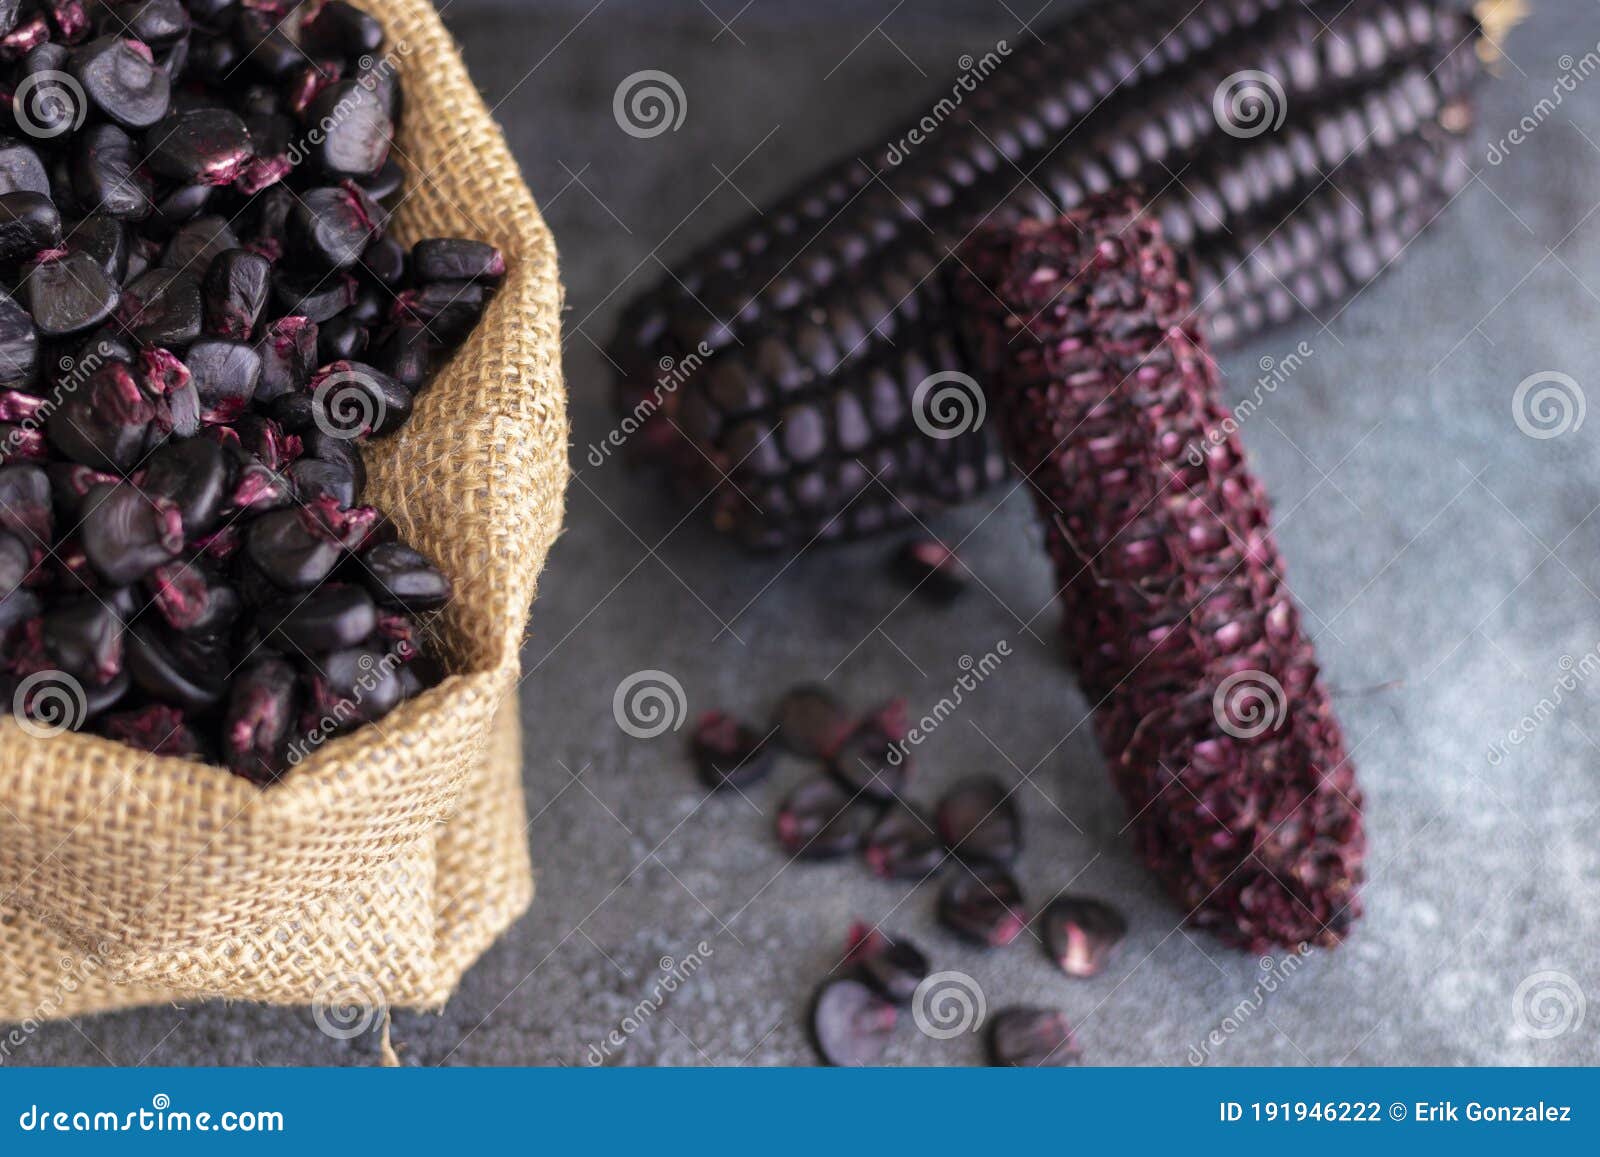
396, 854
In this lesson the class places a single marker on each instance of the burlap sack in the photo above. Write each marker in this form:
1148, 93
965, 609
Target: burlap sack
389, 859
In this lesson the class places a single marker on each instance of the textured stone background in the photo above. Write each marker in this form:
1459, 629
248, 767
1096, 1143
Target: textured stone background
1446, 561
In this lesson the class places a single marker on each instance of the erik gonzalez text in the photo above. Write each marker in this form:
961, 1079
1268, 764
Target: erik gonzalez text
1377, 1112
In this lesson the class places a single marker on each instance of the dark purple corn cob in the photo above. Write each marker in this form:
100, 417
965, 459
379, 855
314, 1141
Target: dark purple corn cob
870, 458
1141, 92
1330, 247
795, 368
1209, 704
1043, 88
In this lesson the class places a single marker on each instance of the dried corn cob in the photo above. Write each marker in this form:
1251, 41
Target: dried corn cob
1208, 702
884, 468
1146, 124
805, 427
851, 460
799, 353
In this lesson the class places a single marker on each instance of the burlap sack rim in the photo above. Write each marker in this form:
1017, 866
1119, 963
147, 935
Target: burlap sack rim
342, 773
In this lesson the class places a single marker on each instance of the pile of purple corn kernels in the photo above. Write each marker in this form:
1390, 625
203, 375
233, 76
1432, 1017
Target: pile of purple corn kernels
202, 322
859, 806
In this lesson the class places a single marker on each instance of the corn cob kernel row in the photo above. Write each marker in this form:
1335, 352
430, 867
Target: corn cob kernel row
1207, 200
1329, 247
1208, 700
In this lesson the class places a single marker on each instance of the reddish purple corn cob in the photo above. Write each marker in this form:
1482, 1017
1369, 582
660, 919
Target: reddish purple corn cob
1209, 705
801, 420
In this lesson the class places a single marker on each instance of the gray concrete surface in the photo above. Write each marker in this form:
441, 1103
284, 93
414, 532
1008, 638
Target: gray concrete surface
1446, 560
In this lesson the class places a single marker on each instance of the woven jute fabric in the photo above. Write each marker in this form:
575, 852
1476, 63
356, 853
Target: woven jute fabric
396, 854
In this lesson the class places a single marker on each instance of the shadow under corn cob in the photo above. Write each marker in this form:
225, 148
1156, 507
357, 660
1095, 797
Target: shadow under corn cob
1208, 702
802, 420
